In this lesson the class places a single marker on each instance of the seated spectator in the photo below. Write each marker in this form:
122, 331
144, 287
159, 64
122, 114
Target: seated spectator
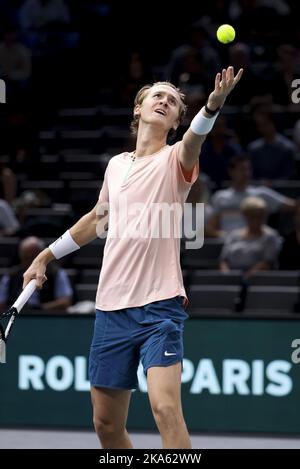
239, 57
226, 203
199, 194
286, 70
15, 60
8, 184
56, 293
43, 14
217, 150
253, 248
197, 48
8, 221
137, 73
272, 155
296, 138
47, 27
289, 257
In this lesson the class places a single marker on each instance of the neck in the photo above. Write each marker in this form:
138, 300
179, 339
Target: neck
240, 186
149, 142
255, 231
269, 138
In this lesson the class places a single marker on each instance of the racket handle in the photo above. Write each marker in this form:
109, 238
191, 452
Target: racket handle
25, 295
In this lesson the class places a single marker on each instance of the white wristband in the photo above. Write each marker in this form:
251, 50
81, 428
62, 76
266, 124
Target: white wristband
63, 245
201, 125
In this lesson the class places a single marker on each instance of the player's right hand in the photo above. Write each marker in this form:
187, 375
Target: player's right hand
36, 270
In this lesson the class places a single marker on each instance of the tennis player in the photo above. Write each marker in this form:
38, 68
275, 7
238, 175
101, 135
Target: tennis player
141, 300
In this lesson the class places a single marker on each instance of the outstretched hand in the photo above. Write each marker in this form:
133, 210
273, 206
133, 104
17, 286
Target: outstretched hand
224, 84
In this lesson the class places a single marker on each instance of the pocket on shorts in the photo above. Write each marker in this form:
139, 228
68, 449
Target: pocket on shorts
180, 299
100, 326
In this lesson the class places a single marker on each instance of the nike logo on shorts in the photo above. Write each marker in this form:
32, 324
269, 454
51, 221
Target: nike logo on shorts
167, 354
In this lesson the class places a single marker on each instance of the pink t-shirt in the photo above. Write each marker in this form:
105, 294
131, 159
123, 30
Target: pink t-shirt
141, 261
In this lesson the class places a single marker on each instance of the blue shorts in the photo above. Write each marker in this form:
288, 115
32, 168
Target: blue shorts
152, 334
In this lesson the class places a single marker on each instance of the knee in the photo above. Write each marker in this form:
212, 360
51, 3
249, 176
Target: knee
166, 414
105, 428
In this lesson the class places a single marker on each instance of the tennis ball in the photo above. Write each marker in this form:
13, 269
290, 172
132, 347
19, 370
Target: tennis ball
225, 33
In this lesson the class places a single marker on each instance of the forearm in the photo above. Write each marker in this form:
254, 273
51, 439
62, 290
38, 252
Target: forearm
258, 267
59, 304
84, 231
288, 205
224, 267
9, 187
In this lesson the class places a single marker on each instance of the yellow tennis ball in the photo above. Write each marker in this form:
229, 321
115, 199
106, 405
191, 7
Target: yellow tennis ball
225, 33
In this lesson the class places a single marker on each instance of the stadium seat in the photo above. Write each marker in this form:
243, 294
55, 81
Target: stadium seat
273, 298
289, 278
214, 277
206, 257
213, 297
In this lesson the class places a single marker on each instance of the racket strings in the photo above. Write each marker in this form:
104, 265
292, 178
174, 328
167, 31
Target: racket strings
7, 314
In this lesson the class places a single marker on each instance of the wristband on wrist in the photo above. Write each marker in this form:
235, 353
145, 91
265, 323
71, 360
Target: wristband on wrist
210, 111
201, 125
63, 245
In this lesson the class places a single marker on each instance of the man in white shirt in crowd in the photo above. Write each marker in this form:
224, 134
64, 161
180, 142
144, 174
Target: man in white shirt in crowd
227, 215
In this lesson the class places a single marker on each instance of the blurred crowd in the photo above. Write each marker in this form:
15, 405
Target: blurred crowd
57, 54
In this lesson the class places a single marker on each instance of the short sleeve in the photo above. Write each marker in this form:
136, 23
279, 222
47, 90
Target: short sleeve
215, 203
104, 193
273, 199
271, 248
4, 285
62, 286
229, 240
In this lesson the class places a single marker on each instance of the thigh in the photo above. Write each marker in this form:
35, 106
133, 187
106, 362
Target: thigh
110, 405
164, 386
163, 345
114, 358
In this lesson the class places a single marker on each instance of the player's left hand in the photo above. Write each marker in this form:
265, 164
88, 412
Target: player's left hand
224, 84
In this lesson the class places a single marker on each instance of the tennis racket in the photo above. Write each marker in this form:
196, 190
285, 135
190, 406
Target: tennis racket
12, 313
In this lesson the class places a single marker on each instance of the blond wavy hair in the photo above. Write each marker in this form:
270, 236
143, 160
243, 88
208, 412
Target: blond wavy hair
141, 95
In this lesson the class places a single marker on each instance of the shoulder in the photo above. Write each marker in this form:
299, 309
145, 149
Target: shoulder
270, 233
222, 194
256, 144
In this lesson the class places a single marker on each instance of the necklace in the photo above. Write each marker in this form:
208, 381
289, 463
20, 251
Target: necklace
151, 154
132, 157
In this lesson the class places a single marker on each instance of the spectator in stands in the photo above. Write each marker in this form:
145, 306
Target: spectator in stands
272, 155
199, 194
47, 26
289, 257
15, 62
8, 221
296, 138
226, 203
15, 65
217, 150
255, 247
55, 295
44, 14
8, 184
287, 69
137, 72
197, 51
239, 56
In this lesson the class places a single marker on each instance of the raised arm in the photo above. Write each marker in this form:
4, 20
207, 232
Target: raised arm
83, 232
203, 122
